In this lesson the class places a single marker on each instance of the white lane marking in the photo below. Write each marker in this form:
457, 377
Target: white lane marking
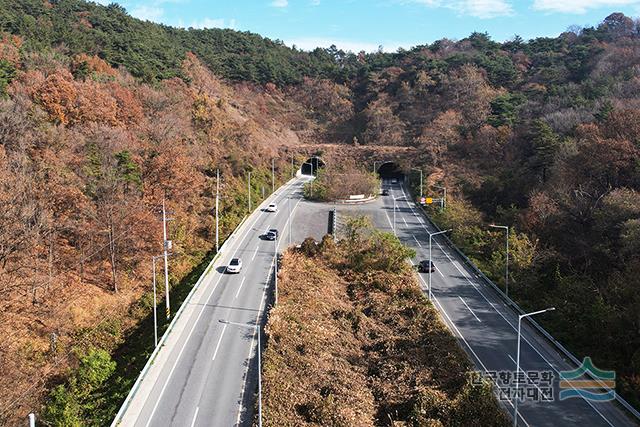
253, 339
510, 324
215, 352
455, 328
388, 219
414, 238
438, 270
195, 416
469, 308
240, 287
184, 345
405, 222
255, 252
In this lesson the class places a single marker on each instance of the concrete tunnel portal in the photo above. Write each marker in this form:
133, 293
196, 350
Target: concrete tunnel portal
390, 170
311, 166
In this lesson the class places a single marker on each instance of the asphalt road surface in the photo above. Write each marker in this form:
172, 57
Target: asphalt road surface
207, 371
206, 374
486, 327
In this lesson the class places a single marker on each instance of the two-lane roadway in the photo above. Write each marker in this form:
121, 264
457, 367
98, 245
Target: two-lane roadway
205, 374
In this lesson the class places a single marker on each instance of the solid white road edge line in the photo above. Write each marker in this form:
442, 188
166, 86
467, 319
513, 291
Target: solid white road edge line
184, 345
509, 323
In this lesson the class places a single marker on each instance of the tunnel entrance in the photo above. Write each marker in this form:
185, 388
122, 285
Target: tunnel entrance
389, 171
311, 166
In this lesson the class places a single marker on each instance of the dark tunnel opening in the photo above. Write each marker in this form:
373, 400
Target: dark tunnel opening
389, 171
311, 166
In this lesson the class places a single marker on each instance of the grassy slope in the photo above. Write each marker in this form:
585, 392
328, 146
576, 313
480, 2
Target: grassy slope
363, 348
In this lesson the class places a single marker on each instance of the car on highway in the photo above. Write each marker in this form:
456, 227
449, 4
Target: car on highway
271, 234
426, 266
385, 192
235, 266
394, 180
272, 207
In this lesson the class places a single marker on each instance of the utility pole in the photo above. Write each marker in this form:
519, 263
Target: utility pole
167, 247
217, 202
515, 403
32, 420
249, 190
506, 271
155, 304
291, 165
273, 175
431, 259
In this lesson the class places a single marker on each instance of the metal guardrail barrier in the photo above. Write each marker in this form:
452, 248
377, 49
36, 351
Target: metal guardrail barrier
562, 349
125, 405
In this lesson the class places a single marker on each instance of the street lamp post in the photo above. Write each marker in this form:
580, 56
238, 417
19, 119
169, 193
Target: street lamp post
166, 246
506, 273
520, 317
256, 327
431, 259
420, 170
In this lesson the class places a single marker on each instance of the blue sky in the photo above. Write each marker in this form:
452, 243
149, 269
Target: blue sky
366, 24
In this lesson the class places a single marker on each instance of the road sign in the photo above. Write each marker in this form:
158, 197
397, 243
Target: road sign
422, 200
429, 200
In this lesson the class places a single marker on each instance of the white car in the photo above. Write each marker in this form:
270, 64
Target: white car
235, 266
272, 207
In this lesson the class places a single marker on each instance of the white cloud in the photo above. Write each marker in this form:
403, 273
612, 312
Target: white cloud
149, 13
280, 3
211, 23
315, 2
483, 9
310, 43
578, 6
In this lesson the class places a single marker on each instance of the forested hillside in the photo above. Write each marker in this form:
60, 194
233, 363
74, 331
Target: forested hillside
103, 114
542, 136
152, 52
87, 154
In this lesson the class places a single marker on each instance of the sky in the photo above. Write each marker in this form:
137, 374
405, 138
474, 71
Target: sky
367, 24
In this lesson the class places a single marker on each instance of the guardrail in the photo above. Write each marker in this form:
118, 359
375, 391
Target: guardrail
562, 349
125, 405
147, 366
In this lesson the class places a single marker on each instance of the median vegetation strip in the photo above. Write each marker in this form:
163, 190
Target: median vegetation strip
353, 341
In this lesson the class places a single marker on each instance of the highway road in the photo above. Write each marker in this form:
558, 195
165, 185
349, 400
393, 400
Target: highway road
206, 372
485, 326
